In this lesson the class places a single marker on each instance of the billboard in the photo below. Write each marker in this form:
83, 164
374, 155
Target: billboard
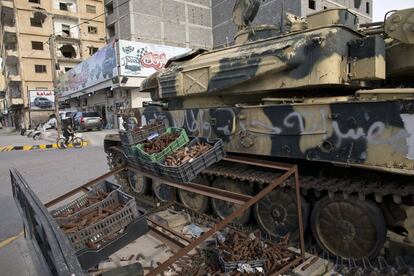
41, 100
143, 59
98, 68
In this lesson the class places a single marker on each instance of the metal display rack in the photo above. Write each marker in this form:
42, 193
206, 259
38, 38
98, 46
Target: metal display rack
180, 244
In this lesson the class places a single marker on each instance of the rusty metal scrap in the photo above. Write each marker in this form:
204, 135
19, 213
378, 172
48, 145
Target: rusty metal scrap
158, 144
186, 154
90, 200
149, 126
88, 218
240, 247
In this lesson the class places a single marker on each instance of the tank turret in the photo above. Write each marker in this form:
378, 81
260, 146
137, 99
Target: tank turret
326, 54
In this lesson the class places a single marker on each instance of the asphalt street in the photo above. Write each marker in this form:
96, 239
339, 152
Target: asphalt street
49, 173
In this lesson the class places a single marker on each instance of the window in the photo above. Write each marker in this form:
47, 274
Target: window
109, 8
312, 4
66, 30
63, 6
90, 9
35, 22
34, 1
68, 51
37, 45
110, 30
92, 30
67, 69
92, 50
40, 68
367, 8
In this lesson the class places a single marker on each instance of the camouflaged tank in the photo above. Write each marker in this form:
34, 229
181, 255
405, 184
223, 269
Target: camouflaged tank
328, 94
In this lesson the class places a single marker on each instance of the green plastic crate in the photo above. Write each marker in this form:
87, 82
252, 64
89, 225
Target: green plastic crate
181, 141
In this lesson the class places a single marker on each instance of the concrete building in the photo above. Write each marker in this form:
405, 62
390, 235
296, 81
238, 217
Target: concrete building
158, 25
271, 13
26, 27
180, 23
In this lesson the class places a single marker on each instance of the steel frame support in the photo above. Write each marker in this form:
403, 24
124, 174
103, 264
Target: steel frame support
244, 200
289, 171
197, 188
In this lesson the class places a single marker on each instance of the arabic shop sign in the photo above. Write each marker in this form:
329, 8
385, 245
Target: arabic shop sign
143, 59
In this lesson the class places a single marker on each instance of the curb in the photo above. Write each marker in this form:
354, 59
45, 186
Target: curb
35, 147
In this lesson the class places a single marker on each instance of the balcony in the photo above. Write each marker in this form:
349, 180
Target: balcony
9, 29
14, 78
16, 101
11, 53
7, 4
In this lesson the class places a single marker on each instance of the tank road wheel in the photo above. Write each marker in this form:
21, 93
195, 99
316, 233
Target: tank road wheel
195, 202
223, 208
276, 214
349, 228
139, 183
164, 192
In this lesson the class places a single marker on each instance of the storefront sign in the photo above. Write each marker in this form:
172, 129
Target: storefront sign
42, 100
143, 59
98, 68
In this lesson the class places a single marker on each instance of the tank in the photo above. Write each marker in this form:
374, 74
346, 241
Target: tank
324, 92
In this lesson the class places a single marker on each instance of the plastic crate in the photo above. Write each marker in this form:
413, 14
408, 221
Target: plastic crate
129, 151
104, 186
189, 170
147, 165
108, 226
132, 137
181, 141
89, 258
228, 267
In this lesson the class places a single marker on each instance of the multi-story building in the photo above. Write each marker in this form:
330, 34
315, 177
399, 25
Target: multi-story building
181, 23
78, 30
271, 13
158, 25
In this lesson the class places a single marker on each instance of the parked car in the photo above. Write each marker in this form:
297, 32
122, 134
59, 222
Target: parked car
87, 120
42, 102
67, 117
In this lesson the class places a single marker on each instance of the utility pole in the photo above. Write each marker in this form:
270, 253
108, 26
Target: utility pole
54, 75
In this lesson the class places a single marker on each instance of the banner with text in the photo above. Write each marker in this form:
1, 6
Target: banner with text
96, 69
143, 59
41, 100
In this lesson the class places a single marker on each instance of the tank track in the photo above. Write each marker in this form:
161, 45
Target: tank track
319, 184
377, 267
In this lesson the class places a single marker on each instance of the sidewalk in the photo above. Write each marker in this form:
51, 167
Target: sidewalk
94, 138
8, 137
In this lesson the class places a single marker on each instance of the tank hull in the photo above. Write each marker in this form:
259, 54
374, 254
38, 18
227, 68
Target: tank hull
350, 133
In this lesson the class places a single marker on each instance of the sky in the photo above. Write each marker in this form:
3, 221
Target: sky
382, 6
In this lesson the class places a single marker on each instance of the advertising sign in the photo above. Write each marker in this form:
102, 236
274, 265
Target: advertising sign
42, 99
143, 59
98, 68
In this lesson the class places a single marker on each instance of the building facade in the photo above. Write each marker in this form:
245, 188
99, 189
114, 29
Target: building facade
271, 13
27, 26
180, 23
183, 24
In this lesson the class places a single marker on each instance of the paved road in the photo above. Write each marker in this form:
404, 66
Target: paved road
50, 173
